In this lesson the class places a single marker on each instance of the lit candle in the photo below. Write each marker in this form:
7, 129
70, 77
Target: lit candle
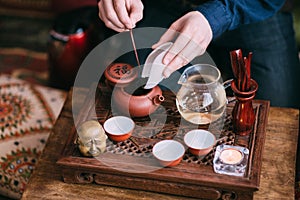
231, 156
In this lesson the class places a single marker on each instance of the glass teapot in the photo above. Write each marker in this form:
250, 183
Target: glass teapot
202, 97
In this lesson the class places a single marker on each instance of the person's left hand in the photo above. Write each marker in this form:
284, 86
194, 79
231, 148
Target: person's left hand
195, 35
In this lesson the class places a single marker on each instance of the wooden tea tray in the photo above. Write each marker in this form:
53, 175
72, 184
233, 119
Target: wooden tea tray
122, 162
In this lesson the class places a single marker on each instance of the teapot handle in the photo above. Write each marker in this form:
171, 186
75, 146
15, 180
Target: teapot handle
227, 84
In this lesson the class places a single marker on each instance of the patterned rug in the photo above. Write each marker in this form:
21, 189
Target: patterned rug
28, 111
27, 114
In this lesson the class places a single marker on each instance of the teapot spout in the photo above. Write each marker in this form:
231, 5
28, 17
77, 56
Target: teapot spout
158, 99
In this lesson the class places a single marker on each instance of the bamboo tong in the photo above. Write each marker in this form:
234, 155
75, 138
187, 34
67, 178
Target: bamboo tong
241, 69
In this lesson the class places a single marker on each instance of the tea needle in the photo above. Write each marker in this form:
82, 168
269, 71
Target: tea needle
134, 48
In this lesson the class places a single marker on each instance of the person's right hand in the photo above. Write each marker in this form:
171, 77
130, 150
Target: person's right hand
195, 35
120, 15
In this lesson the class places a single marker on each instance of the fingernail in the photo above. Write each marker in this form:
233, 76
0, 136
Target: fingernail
166, 61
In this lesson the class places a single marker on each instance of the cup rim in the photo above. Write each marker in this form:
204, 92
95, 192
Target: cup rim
118, 123
254, 87
189, 139
157, 148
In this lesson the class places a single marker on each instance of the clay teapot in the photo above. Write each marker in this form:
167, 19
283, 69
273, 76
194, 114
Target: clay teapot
128, 95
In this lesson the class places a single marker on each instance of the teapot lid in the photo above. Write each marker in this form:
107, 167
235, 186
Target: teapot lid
120, 73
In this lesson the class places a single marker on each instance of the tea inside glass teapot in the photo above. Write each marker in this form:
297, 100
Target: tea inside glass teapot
202, 97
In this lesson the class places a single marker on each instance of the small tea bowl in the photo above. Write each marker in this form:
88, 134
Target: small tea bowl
200, 142
169, 153
119, 128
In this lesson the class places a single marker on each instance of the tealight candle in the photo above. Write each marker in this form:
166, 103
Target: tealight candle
231, 160
231, 156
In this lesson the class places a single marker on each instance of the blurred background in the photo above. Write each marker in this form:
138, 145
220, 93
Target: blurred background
297, 21
26, 23
41, 26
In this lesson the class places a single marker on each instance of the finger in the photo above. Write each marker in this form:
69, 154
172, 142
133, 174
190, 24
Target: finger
187, 54
175, 64
191, 50
136, 13
177, 47
109, 24
109, 14
100, 14
122, 13
168, 36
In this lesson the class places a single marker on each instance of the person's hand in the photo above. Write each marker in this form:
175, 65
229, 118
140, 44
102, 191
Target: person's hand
120, 15
195, 34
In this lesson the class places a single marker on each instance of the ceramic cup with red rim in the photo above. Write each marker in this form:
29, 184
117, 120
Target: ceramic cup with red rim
119, 128
169, 153
200, 142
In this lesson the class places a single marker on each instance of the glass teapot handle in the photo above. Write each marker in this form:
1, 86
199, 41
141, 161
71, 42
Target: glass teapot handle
226, 84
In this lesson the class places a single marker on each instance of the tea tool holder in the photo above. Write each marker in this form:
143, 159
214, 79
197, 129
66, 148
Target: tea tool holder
244, 88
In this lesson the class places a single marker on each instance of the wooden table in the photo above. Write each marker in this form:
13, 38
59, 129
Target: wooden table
277, 175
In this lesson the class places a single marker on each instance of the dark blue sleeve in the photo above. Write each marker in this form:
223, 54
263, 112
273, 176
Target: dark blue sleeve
224, 15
